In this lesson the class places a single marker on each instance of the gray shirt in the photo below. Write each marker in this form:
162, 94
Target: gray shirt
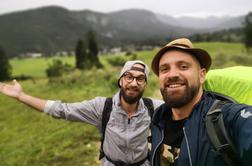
125, 138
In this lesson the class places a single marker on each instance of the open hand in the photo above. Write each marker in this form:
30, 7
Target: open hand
12, 90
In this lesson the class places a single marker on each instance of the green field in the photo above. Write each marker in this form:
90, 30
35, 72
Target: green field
35, 67
220, 52
30, 138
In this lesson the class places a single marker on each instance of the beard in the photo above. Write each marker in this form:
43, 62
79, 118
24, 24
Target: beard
173, 100
130, 99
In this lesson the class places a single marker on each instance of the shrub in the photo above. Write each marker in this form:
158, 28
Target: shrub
117, 60
242, 60
5, 67
219, 60
57, 68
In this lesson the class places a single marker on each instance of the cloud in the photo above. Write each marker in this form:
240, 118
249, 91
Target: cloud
193, 7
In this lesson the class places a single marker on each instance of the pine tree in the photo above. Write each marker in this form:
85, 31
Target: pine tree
93, 49
248, 30
81, 55
5, 68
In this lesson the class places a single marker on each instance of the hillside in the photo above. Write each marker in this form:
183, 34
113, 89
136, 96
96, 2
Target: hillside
52, 29
208, 24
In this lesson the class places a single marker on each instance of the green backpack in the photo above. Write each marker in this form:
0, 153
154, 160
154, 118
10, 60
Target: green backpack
232, 81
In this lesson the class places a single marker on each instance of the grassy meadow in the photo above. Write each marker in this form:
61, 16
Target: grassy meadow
35, 67
31, 138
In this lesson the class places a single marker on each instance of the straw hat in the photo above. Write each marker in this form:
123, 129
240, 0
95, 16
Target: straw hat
186, 45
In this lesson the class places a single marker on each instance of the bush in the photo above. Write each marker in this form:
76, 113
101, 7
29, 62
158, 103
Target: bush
242, 60
5, 67
57, 68
120, 60
117, 61
23, 77
219, 60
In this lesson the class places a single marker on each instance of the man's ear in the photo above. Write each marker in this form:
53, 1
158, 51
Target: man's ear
145, 84
120, 82
202, 75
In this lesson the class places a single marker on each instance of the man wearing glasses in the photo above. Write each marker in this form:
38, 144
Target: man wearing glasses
125, 138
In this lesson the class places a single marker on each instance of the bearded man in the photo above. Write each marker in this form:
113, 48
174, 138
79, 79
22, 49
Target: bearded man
125, 138
179, 135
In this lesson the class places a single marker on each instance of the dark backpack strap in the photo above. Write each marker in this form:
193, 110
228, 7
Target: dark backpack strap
223, 97
105, 118
149, 104
218, 135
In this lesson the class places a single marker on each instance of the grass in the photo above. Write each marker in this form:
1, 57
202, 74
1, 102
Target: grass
35, 67
219, 47
226, 54
30, 138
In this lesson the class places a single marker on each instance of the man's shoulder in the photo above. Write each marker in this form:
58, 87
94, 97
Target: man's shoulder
236, 107
160, 112
227, 105
99, 100
156, 102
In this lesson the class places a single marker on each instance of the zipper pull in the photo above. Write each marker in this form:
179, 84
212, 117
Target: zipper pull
128, 120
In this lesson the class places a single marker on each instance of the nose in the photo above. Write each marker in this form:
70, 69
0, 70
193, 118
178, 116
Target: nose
173, 72
134, 82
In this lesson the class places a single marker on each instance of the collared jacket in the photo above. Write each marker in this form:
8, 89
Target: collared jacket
195, 149
125, 138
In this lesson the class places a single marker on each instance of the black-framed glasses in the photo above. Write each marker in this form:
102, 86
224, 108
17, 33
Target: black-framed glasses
129, 78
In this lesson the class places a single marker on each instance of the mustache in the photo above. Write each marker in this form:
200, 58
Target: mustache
133, 89
174, 80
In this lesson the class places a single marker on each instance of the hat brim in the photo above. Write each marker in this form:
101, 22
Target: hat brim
201, 55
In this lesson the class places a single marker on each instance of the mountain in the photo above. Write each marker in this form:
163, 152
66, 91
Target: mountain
208, 24
42, 30
52, 29
124, 27
233, 22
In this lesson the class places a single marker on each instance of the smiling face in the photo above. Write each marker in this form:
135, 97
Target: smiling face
180, 78
132, 85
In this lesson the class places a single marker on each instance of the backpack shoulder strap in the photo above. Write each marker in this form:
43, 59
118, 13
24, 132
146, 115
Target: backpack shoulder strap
149, 104
218, 135
223, 97
105, 118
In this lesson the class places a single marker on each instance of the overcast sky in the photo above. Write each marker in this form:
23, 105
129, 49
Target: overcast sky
198, 8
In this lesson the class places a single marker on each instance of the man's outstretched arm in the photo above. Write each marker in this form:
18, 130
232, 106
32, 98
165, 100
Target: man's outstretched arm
15, 90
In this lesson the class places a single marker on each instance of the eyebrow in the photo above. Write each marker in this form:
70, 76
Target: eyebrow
184, 62
177, 62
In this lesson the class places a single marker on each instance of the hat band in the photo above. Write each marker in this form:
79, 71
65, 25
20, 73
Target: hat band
183, 45
138, 69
